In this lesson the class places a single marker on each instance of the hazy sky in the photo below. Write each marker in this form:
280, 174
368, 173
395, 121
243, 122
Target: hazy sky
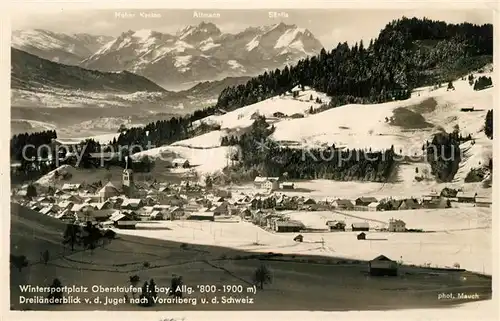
330, 26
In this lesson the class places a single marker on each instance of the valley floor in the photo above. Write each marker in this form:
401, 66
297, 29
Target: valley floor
314, 278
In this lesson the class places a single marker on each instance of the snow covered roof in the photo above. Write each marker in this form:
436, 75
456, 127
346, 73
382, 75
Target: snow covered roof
154, 213
116, 216
344, 202
108, 187
81, 207
46, 210
360, 224
289, 224
179, 161
381, 258
131, 201
373, 204
466, 195
65, 204
367, 199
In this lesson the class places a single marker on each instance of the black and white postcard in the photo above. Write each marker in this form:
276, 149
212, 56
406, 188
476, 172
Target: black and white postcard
261, 159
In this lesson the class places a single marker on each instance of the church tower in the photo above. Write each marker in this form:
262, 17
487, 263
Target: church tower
128, 179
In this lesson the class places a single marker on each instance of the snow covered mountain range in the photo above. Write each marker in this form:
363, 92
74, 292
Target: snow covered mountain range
195, 53
68, 49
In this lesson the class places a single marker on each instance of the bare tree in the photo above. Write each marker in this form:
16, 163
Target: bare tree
262, 276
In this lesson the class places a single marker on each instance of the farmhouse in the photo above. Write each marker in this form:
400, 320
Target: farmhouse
102, 206
201, 216
180, 162
397, 226
409, 204
336, 225
49, 210
71, 198
156, 215
288, 226
440, 202
132, 204
270, 183
365, 201
287, 185
360, 226
466, 197
64, 205
343, 204
382, 265
81, 208
373, 206
107, 191
175, 213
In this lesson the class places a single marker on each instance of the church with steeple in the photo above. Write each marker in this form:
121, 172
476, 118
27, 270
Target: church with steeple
128, 185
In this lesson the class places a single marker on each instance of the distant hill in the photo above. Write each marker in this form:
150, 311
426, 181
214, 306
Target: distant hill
214, 88
30, 72
69, 49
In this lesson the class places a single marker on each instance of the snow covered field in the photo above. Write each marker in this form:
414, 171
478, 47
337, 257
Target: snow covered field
455, 241
322, 189
204, 160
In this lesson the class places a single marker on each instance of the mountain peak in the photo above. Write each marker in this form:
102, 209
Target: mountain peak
200, 32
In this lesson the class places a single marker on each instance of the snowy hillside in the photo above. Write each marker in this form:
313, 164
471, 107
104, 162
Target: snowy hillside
203, 52
364, 126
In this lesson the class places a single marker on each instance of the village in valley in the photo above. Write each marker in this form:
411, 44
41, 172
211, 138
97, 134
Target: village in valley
270, 203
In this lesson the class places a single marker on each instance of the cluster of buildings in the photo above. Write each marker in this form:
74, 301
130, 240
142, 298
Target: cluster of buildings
125, 205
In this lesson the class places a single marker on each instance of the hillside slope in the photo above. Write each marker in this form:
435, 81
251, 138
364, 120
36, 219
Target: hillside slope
29, 72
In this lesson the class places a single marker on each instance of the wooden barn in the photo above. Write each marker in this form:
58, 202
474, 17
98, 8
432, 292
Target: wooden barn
382, 265
361, 236
336, 225
365, 201
201, 216
288, 226
361, 226
466, 197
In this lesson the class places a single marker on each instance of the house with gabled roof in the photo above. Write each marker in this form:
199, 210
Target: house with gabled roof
382, 265
343, 204
365, 200
396, 225
48, 210
409, 204
132, 204
107, 191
